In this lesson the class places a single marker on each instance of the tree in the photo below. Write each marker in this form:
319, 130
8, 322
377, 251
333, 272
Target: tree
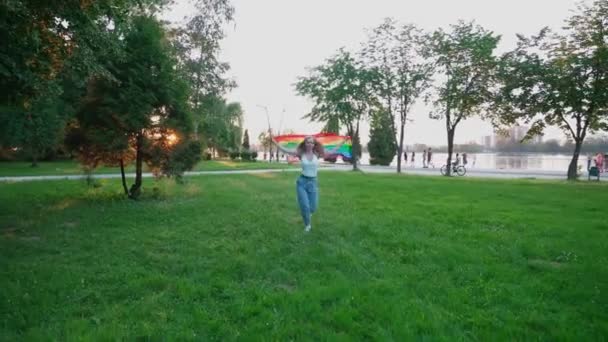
332, 126
221, 124
382, 145
198, 48
246, 141
464, 59
43, 125
340, 89
264, 140
51, 49
403, 75
141, 113
45, 44
560, 79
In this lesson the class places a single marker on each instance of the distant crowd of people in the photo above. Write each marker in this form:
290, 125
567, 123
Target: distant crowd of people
427, 158
272, 155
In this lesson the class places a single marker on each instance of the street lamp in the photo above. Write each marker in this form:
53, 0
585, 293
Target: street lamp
269, 129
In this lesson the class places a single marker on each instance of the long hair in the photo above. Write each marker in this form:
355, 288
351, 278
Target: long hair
317, 148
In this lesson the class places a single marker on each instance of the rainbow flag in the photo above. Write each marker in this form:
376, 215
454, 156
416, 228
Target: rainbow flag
333, 144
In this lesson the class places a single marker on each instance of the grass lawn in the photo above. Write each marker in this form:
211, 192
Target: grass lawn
225, 257
73, 168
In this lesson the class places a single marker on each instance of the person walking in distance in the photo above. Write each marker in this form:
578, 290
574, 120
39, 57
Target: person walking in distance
424, 166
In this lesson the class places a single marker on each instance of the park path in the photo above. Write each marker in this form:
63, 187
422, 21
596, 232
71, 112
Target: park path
482, 173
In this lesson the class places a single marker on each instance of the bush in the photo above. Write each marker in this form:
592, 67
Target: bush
234, 155
254, 155
182, 158
381, 146
246, 156
207, 156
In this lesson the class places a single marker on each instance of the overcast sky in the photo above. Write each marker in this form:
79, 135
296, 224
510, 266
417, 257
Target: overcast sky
272, 42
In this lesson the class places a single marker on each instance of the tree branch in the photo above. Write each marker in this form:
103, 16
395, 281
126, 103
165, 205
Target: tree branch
458, 118
561, 116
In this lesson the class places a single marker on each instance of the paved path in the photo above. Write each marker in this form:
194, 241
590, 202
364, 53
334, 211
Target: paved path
485, 173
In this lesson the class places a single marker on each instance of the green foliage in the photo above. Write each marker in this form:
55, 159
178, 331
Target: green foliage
265, 141
198, 45
381, 146
395, 54
38, 130
222, 124
173, 161
560, 79
48, 50
254, 155
341, 89
332, 126
245, 144
54, 52
133, 115
234, 155
466, 65
245, 155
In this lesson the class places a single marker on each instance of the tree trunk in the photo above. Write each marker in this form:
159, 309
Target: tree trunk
270, 154
400, 147
136, 188
356, 147
124, 181
573, 168
34, 160
195, 129
450, 151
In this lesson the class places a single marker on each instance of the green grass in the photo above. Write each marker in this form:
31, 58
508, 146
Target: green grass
225, 258
8, 169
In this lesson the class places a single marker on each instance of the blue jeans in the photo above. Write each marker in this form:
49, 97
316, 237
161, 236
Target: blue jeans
308, 197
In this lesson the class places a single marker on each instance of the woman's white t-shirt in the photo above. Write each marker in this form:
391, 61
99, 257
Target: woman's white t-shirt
309, 167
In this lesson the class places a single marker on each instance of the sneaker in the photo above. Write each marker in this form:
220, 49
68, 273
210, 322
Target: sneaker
307, 228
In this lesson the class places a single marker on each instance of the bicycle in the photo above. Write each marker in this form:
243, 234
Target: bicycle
456, 169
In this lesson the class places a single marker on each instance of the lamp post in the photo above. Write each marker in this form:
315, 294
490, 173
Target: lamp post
269, 130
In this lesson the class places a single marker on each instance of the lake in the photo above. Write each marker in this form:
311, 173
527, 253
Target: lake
501, 161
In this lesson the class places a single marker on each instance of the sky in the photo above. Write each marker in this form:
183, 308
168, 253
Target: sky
273, 42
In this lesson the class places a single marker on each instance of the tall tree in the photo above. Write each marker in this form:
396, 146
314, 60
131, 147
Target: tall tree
332, 126
141, 113
381, 146
246, 141
560, 79
396, 54
466, 65
222, 124
264, 140
54, 48
341, 89
198, 45
42, 43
